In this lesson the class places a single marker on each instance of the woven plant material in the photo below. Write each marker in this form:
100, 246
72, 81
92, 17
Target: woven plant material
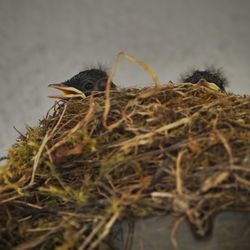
173, 149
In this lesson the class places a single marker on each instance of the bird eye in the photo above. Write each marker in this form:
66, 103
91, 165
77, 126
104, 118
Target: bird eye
88, 86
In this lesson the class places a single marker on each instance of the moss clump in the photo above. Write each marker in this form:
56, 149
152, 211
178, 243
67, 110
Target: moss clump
181, 149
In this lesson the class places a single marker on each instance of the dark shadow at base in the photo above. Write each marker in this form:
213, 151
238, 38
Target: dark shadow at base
231, 231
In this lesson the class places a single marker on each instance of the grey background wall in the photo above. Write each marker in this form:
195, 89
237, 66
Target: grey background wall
50, 40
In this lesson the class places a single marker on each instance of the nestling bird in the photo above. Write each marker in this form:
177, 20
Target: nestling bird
212, 78
84, 82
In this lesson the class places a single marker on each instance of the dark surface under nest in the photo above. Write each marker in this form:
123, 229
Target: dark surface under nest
180, 149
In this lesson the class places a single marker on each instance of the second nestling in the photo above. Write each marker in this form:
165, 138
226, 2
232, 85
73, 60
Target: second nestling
211, 78
92, 80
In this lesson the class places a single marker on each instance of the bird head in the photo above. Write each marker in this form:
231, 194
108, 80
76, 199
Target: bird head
83, 84
211, 78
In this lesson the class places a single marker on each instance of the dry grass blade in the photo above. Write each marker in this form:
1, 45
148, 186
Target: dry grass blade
46, 138
135, 60
175, 227
214, 181
106, 231
143, 138
37, 241
179, 184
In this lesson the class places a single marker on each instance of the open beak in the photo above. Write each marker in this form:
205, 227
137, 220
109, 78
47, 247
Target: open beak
209, 85
68, 92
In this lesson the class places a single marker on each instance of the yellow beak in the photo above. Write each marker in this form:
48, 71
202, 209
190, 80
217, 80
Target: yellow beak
209, 85
68, 92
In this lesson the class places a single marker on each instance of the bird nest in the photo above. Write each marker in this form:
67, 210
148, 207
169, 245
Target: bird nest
181, 149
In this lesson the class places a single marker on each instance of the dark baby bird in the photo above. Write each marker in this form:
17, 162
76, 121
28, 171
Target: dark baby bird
85, 82
207, 77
